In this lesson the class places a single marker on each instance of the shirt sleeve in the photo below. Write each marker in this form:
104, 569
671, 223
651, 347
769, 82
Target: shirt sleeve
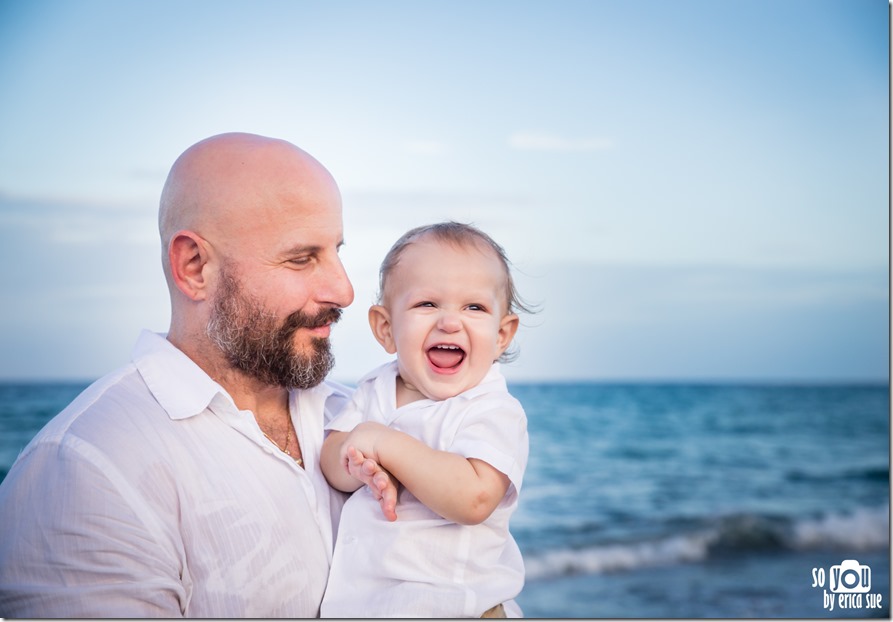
494, 429
75, 546
336, 401
351, 415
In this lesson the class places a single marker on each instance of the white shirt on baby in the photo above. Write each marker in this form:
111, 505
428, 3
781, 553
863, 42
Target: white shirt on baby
152, 495
423, 565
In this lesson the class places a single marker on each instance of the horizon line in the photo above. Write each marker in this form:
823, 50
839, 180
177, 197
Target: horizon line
626, 380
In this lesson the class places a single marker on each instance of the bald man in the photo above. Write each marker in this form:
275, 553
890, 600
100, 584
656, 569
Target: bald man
187, 483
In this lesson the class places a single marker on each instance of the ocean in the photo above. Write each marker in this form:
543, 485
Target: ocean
676, 500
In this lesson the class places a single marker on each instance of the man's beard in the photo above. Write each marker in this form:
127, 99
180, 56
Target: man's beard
254, 343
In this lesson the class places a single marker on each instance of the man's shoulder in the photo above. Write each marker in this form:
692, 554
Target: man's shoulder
100, 407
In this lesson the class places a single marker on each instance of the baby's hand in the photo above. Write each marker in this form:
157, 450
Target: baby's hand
379, 481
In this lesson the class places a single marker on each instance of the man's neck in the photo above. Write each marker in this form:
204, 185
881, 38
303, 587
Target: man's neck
264, 400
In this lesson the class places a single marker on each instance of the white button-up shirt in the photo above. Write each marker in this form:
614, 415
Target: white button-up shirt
151, 494
424, 565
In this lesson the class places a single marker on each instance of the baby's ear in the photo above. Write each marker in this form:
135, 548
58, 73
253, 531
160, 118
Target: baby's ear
508, 326
380, 322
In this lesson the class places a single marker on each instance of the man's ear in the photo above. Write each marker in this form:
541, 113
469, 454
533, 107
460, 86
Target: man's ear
188, 256
508, 326
380, 322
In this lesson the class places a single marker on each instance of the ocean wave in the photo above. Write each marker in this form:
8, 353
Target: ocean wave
862, 530
868, 474
618, 557
865, 529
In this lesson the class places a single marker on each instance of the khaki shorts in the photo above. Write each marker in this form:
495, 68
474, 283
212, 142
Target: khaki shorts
495, 612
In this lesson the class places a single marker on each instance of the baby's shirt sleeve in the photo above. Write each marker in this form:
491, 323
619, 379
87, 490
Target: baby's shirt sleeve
366, 402
494, 429
351, 415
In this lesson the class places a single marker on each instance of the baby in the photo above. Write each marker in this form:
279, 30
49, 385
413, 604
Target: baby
440, 421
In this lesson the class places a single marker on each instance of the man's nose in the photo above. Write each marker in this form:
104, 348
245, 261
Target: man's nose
337, 289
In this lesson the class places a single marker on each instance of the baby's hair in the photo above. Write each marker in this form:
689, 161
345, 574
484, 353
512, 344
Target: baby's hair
458, 234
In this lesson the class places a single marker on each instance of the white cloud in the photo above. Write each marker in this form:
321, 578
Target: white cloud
548, 141
64, 221
703, 322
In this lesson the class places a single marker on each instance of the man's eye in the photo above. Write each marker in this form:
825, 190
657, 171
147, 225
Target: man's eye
300, 261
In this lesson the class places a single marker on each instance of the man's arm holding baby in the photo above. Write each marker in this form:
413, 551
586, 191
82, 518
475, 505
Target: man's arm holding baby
463, 490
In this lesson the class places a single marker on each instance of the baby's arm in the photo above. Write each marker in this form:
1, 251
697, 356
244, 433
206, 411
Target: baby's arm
463, 490
333, 465
356, 470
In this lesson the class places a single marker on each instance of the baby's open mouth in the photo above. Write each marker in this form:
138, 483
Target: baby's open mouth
445, 356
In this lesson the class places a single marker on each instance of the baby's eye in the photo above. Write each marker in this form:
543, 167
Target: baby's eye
476, 307
426, 303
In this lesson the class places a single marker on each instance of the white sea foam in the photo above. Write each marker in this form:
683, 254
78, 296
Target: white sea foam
863, 529
620, 557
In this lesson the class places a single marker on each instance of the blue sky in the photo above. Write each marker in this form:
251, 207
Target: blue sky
690, 190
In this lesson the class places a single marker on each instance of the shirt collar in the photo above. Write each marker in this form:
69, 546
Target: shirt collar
492, 380
181, 387
386, 375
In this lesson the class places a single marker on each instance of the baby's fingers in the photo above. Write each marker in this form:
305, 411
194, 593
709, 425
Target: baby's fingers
370, 467
386, 494
355, 455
